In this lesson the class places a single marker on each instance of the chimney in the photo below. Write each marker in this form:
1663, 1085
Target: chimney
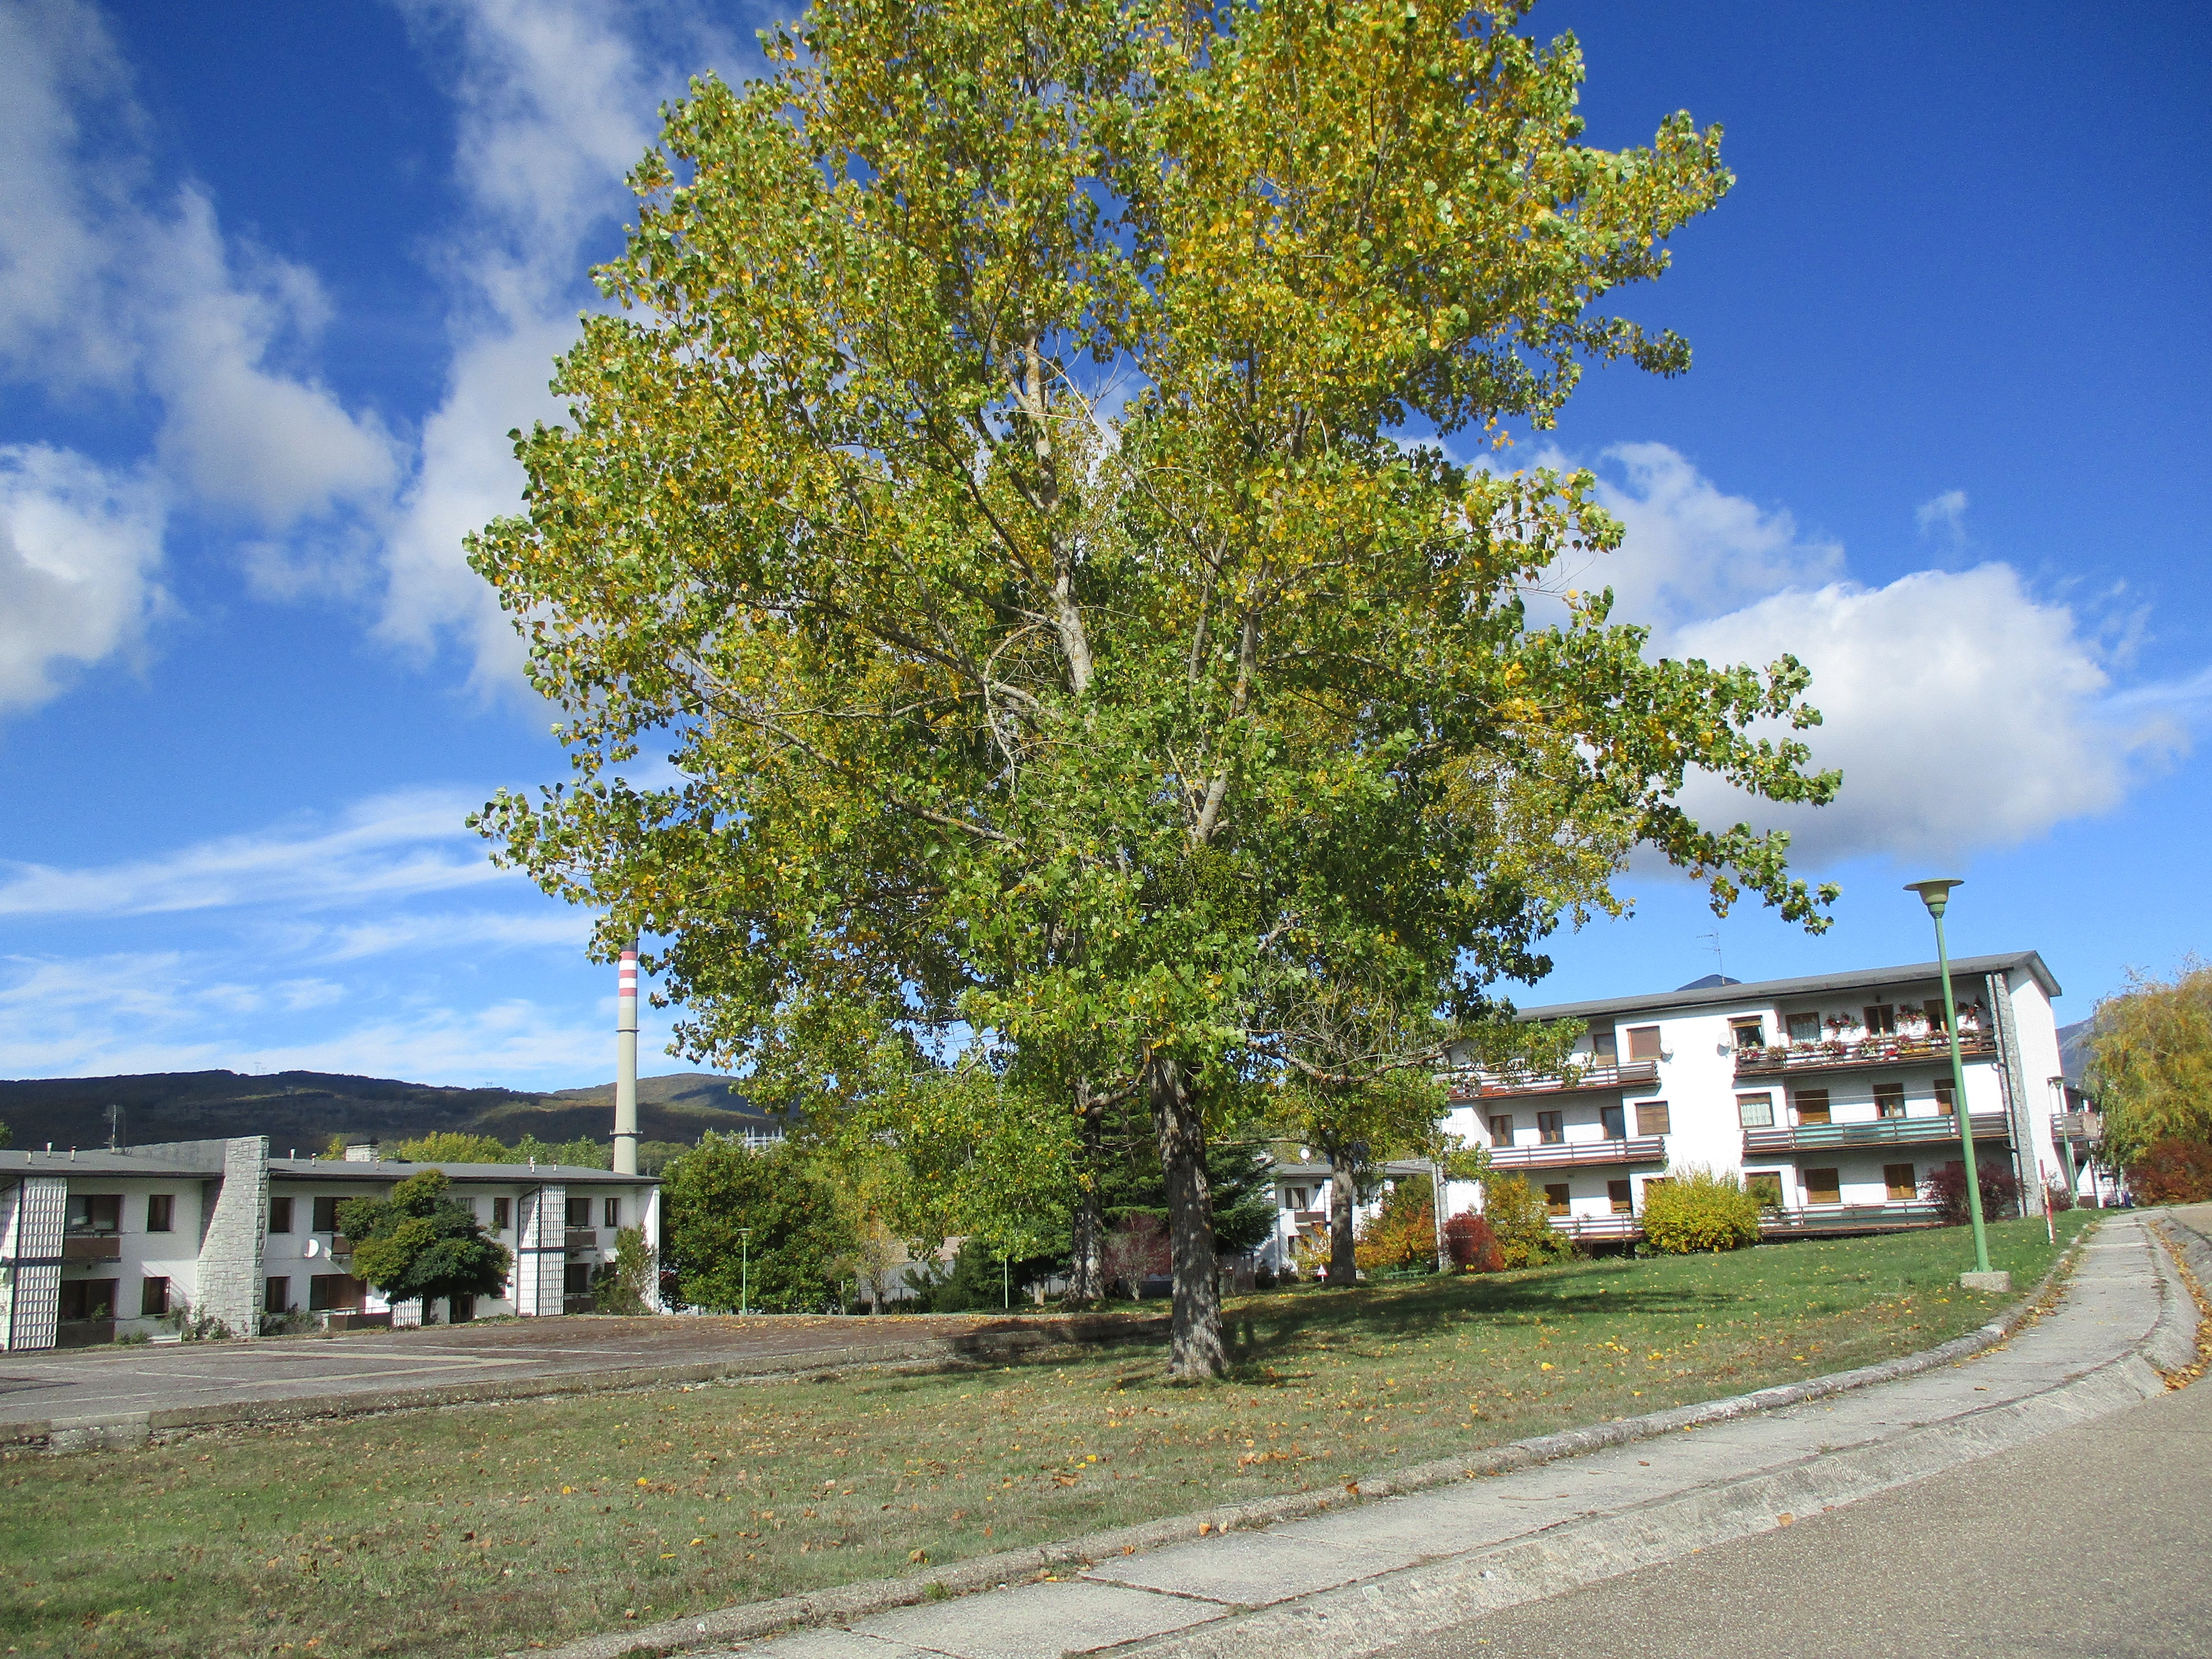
625, 1161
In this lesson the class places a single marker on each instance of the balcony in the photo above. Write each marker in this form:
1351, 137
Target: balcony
1800, 1057
1932, 1130
1600, 1227
1576, 1154
1574, 1080
2084, 1128
1847, 1218
581, 1238
92, 1246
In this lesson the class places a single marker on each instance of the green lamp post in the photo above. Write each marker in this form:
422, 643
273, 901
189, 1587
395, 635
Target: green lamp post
745, 1268
1937, 896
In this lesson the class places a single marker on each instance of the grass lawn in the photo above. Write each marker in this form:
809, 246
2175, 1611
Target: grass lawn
483, 1529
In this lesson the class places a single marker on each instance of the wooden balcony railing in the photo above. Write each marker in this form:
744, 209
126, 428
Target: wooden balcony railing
1600, 1226
1574, 1080
92, 1246
1847, 1218
1932, 1130
1575, 1154
582, 1238
1794, 1058
2088, 1128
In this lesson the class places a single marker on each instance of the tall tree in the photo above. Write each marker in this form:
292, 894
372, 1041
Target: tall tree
1013, 481
2150, 1061
417, 1241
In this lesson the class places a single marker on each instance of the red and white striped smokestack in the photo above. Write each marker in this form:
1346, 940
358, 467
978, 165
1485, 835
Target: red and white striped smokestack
626, 1064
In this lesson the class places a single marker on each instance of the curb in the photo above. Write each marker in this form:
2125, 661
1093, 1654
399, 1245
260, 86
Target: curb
841, 1603
124, 1428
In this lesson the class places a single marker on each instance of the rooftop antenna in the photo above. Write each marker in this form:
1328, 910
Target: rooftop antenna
1720, 963
114, 1127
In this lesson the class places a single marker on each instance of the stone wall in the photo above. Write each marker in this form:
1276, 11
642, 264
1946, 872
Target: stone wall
230, 1245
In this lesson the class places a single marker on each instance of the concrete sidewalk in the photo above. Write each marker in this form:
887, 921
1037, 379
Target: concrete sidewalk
1380, 1574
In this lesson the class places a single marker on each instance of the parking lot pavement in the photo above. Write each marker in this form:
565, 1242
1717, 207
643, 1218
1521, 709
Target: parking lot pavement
161, 1386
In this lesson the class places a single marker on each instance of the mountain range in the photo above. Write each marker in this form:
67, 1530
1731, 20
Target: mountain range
302, 1110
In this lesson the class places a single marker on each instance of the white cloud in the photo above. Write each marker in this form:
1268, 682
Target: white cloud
1691, 550
384, 850
78, 550
1963, 710
480, 932
1945, 513
556, 105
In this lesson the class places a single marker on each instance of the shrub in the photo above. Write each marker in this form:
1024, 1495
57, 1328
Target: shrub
1471, 1245
1136, 1249
1520, 1223
619, 1286
1947, 1188
1695, 1209
1402, 1233
2171, 1171
2062, 1196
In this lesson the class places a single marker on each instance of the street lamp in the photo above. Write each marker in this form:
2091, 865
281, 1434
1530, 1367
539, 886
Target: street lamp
745, 1269
1937, 896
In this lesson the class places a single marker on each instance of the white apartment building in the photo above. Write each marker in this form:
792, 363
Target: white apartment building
98, 1244
1831, 1096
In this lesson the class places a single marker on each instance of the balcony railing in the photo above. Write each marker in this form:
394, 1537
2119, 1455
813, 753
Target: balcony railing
1847, 1218
2085, 1126
1600, 1226
92, 1246
1932, 1130
1892, 1050
1574, 1154
582, 1238
1574, 1080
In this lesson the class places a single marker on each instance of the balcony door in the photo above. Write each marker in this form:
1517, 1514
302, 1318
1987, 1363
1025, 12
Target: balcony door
1613, 1122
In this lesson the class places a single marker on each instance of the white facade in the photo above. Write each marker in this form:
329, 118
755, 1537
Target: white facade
1831, 1094
95, 1245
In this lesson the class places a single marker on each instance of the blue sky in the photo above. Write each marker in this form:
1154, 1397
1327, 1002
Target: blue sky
275, 283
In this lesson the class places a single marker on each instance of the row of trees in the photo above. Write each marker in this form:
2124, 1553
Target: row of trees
1012, 482
2151, 1073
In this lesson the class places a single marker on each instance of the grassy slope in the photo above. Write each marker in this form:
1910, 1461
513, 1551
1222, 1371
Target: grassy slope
485, 1529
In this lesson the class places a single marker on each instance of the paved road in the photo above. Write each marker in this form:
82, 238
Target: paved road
386, 1367
2096, 1541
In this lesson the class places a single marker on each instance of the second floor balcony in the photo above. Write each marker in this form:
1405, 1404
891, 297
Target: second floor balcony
1890, 1049
1932, 1130
1574, 1080
1572, 1154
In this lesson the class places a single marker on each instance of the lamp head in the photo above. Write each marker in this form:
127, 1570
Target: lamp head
1934, 894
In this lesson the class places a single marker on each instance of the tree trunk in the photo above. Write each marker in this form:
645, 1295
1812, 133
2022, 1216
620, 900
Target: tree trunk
1197, 1350
1086, 1272
1343, 1190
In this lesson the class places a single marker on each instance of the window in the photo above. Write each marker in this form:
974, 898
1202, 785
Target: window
1644, 1042
613, 1213
1551, 1127
580, 1212
153, 1297
276, 1295
1652, 1118
1755, 1111
1618, 1193
1812, 1106
1555, 1199
502, 1214
1889, 1100
334, 1293
1823, 1186
1898, 1178
1748, 1033
576, 1278
1613, 1122
1501, 1128
280, 1215
1881, 1019
1803, 1028
1764, 1185
1944, 1103
1605, 1047
94, 1212
87, 1299
160, 1208
326, 1217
